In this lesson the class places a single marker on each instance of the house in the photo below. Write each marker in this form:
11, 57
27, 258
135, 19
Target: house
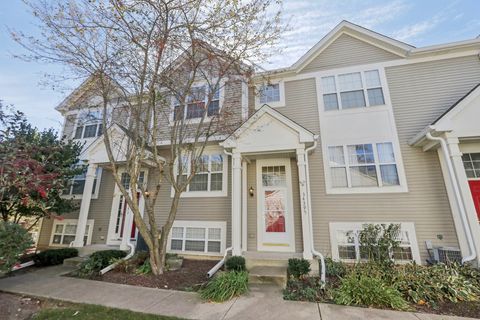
361, 129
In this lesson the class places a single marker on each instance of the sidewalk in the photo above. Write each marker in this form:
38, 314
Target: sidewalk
263, 302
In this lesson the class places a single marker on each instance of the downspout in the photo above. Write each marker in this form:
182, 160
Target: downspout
458, 196
309, 199
113, 265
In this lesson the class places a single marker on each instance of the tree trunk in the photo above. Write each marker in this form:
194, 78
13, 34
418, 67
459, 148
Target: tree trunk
156, 261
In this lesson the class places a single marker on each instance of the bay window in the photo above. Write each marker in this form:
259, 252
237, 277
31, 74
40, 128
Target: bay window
352, 90
363, 165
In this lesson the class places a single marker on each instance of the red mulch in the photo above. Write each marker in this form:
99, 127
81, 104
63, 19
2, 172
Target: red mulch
191, 275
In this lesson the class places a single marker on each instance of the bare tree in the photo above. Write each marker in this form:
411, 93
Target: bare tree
144, 58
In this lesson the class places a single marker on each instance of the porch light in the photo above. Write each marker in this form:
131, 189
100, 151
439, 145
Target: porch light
147, 194
251, 191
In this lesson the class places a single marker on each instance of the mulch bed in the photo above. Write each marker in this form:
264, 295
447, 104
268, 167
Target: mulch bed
190, 276
461, 309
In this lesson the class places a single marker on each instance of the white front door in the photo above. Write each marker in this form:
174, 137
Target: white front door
275, 228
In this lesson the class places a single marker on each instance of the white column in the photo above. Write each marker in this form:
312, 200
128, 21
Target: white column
244, 205
236, 203
302, 181
127, 228
456, 154
85, 205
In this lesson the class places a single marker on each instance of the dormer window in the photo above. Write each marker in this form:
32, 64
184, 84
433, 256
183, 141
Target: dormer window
89, 125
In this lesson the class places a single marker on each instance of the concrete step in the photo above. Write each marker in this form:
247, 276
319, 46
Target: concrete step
74, 262
268, 275
270, 259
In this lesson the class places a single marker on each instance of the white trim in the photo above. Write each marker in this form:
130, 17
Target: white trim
244, 101
289, 220
209, 150
204, 83
357, 226
56, 222
393, 137
273, 104
111, 240
98, 179
222, 225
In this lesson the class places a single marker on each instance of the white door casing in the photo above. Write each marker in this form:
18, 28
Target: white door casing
275, 228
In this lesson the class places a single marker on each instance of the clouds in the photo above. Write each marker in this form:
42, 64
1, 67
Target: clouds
309, 21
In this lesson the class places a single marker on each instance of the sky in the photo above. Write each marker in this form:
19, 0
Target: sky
419, 23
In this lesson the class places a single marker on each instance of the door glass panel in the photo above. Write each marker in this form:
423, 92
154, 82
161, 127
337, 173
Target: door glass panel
274, 176
274, 211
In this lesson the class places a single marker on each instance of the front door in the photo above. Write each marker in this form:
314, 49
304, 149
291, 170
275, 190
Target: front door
121, 217
475, 189
275, 206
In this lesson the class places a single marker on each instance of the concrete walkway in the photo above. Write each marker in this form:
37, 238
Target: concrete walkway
263, 302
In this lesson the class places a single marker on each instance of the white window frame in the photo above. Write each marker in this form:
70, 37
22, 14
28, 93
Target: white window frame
220, 193
408, 227
222, 225
276, 104
364, 89
94, 194
373, 189
221, 89
97, 123
90, 223
476, 178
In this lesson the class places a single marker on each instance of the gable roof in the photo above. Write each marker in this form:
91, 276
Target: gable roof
345, 27
304, 134
474, 91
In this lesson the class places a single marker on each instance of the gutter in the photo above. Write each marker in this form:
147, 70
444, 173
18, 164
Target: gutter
314, 252
219, 264
458, 195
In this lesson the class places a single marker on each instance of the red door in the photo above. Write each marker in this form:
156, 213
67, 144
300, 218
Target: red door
475, 189
124, 215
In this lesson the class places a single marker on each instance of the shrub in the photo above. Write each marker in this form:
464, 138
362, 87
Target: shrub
298, 268
235, 263
14, 240
54, 256
225, 286
145, 268
306, 289
99, 260
364, 290
335, 268
435, 284
378, 241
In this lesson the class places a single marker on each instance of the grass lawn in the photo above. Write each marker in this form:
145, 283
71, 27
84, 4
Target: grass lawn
90, 312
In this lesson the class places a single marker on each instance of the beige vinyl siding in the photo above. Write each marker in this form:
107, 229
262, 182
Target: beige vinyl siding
69, 126
194, 209
420, 93
100, 210
348, 51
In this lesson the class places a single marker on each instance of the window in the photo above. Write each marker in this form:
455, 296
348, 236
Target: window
346, 245
270, 93
63, 232
363, 165
125, 179
471, 162
89, 125
195, 104
352, 90
209, 175
205, 237
77, 184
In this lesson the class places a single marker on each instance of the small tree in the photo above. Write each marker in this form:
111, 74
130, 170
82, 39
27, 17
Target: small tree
142, 59
378, 241
35, 167
14, 240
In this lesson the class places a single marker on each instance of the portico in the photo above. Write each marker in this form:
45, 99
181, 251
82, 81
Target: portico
263, 183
